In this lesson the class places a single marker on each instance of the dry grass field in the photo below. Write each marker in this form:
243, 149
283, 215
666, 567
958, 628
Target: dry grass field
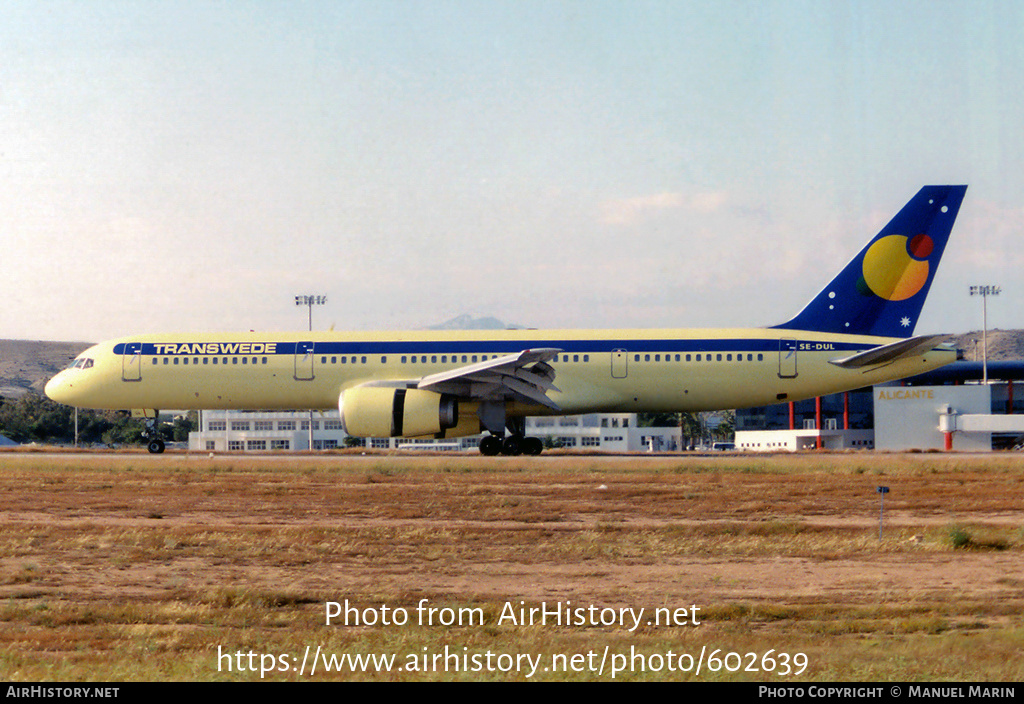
178, 567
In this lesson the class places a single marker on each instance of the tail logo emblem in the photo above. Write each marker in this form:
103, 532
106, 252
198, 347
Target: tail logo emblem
896, 267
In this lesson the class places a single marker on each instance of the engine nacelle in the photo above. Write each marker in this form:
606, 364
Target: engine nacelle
382, 411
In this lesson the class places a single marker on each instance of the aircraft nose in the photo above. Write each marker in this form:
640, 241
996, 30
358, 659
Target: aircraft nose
57, 389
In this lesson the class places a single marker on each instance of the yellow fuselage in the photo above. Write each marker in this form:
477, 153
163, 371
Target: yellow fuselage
597, 371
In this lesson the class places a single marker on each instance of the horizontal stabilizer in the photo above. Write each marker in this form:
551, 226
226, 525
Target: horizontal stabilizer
885, 354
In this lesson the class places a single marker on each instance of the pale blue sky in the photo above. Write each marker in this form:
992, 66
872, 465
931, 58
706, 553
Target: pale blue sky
194, 165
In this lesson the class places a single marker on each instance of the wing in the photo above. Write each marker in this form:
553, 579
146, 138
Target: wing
525, 376
885, 354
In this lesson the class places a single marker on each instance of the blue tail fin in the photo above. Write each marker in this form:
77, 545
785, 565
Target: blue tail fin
882, 290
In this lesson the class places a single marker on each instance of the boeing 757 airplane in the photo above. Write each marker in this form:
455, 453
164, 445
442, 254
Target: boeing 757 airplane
854, 333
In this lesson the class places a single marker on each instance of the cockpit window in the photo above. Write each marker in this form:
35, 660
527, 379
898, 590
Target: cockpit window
80, 363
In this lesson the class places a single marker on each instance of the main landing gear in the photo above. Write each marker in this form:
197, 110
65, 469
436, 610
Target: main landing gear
514, 444
493, 418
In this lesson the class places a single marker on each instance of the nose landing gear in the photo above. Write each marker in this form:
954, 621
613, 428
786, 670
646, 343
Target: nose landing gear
154, 443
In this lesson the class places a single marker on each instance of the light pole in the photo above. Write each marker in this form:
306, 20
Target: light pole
984, 292
310, 301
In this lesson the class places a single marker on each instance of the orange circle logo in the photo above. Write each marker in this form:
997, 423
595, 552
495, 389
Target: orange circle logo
896, 267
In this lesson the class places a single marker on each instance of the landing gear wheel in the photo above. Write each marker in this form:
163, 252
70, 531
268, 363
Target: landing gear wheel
532, 446
513, 445
156, 446
490, 445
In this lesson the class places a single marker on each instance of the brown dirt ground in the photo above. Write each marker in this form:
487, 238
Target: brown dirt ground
498, 533
628, 531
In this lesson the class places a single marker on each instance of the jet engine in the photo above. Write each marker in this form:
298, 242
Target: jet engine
382, 411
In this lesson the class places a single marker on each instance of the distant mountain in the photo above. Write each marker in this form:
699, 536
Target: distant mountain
1002, 345
468, 322
26, 365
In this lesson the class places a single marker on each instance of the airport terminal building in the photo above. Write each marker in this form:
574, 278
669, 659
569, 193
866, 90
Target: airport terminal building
947, 409
259, 431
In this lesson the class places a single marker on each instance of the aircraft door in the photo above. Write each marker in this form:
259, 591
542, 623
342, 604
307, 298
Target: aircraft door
787, 359
303, 361
131, 362
620, 364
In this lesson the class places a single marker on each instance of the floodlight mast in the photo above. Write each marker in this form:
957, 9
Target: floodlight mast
984, 292
309, 302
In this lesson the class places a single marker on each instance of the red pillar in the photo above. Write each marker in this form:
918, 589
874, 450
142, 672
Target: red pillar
949, 441
846, 410
817, 420
792, 416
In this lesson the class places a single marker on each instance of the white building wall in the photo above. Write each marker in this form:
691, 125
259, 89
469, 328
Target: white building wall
907, 417
609, 432
803, 439
224, 431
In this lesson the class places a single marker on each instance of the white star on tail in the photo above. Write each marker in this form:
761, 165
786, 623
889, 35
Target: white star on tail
905, 322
